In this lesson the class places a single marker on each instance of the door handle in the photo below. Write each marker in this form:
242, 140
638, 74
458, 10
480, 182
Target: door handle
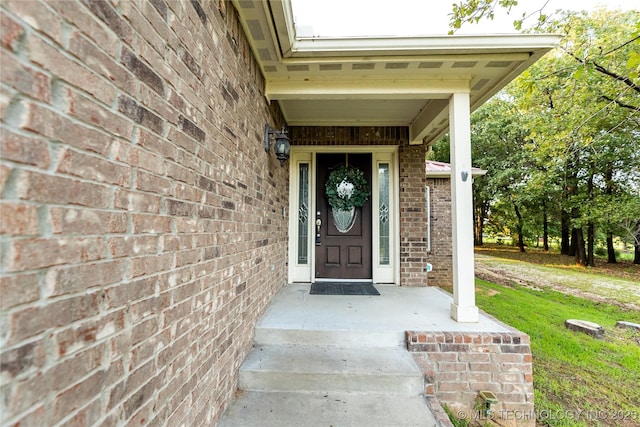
318, 225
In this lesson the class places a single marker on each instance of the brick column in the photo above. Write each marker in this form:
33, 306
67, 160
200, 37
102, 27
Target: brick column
413, 217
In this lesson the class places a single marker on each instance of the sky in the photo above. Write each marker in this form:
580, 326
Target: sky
349, 18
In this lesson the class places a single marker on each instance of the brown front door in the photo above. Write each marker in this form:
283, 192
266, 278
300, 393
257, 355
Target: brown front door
342, 254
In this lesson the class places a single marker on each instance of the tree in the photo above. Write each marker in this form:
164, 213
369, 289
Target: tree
472, 11
498, 138
579, 109
585, 109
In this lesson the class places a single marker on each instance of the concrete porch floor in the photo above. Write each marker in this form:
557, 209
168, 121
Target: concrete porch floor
396, 310
322, 360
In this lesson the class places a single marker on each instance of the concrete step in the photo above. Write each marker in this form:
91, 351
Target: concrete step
328, 367
337, 337
324, 409
331, 368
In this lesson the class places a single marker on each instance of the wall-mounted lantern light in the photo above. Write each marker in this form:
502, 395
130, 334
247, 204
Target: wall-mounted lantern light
281, 146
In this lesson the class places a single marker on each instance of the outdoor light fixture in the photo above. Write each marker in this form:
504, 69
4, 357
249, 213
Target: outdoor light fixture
281, 146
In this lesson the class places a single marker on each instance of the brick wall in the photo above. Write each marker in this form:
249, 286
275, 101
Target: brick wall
459, 365
441, 253
142, 230
413, 216
349, 135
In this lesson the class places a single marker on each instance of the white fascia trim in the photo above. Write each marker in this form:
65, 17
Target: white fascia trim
364, 89
282, 20
463, 44
409, 57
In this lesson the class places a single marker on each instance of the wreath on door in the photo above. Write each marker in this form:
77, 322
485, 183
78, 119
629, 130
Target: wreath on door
347, 188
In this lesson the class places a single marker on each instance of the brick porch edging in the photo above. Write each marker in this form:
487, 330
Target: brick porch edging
442, 419
458, 365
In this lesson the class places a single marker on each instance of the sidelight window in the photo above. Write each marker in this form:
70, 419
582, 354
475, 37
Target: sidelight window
383, 209
303, 214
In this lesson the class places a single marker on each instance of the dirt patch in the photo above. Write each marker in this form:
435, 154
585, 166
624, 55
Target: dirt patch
623, 269
526, 273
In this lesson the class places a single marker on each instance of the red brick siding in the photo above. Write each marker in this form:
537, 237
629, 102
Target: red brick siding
142, 230
413, 216
459, 365
441, 253
345, 135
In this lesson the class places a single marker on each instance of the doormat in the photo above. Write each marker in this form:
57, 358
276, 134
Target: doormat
342, 288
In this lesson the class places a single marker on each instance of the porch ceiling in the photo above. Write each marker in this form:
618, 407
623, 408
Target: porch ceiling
397, 81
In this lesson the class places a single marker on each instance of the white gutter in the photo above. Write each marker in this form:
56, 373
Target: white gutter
419, 46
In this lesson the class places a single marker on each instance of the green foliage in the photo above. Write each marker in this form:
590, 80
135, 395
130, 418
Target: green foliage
570, 368
457, 422
352, 179
562, 137
582, 106
475, 10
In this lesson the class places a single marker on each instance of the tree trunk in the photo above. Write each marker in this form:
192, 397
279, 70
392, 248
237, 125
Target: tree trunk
571, 182
591, 237
591, 229
545, 227
479, 225
636, 245
611, 252
565, 234
483, 215
581, 253
573, 246
520, 227
575, 239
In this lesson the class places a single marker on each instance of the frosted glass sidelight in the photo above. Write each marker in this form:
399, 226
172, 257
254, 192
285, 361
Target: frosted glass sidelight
383, 209
303, 215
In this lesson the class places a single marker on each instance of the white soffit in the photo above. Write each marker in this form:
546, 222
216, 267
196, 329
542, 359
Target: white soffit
391, 81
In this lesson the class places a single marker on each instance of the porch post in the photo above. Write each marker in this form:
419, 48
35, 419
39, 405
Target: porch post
463, 308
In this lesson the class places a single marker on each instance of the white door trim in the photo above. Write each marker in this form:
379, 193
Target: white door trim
387, 154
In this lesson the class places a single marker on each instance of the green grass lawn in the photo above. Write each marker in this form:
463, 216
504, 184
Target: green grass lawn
578, 380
